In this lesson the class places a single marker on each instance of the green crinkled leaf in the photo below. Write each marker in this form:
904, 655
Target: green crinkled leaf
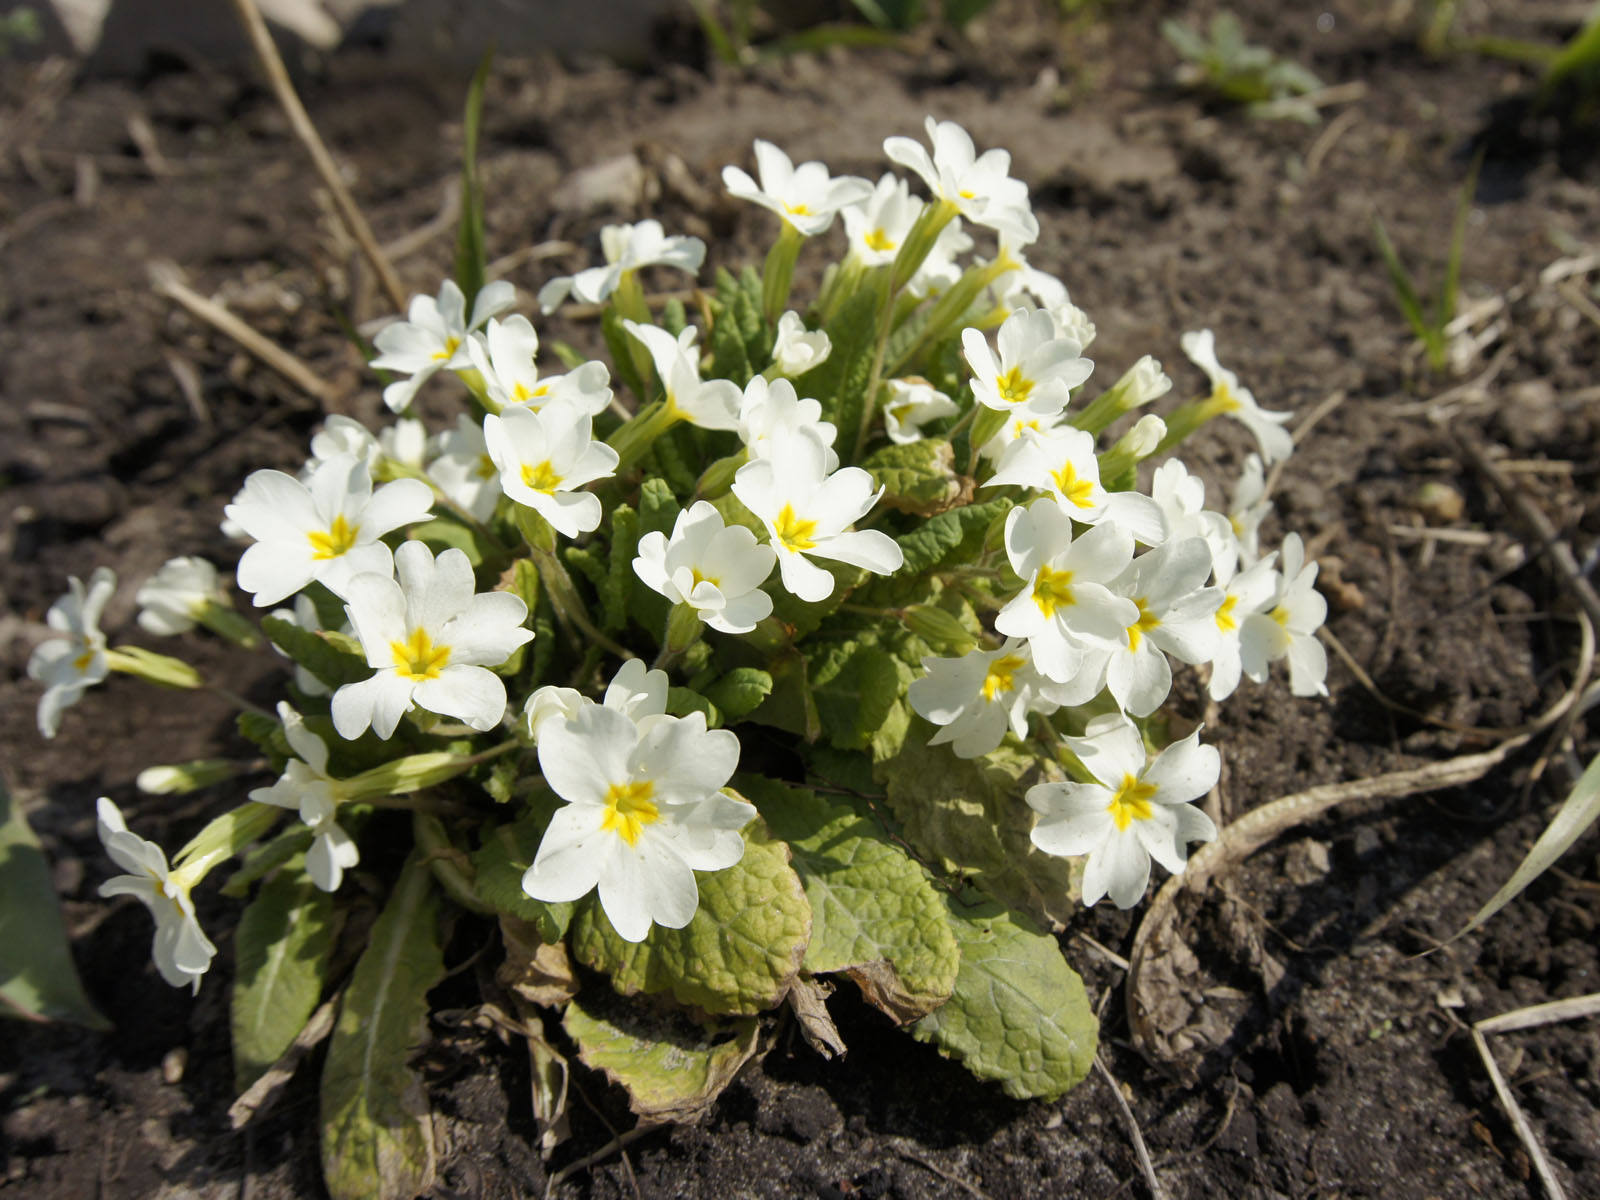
678, 459
839, 383
752, 322
736, 957
377, 1134
672, 1068
790, 705
267, 735
471, 257
333, 666
502, 860
38, 980
267, 857
740, 691
729, 357
619, 571
917, 477
952, 535
281, 949
874, 915
620, 343
673, 317
682, 701
658, 507
1019, 1014
855, 686
442, 534
968, 815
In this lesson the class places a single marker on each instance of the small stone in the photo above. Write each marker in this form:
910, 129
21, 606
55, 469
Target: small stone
173, 1065
1307, 862
1439, 503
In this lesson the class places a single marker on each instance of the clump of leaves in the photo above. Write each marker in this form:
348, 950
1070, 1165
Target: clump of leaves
1230, 69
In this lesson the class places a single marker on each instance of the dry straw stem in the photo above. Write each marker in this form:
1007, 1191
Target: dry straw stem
1529, 1018
264, 1092
1146, 1167
1255, 829
164, 279
271, 61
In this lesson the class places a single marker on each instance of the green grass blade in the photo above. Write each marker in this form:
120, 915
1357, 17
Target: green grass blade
717, 36
1580, 54
471, 257
1449, 286
1400, 279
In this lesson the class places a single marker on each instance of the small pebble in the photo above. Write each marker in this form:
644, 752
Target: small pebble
173, 1064
1439, 503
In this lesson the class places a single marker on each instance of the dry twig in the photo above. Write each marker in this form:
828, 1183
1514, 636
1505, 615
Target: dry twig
1157, 1192
261, 1094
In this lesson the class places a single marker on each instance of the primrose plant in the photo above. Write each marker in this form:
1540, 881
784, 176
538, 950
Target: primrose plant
824, 638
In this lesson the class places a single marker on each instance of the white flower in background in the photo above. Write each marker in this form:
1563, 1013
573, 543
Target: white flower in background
1065, 609
1288, 627
432, 640
181, 950
342, 436
708, 403
1019, 424
772, 414
71, 664
1062, 464
912, 403
1025, 286
1250, 507
306, 787
977, 697
303, 615
405, 443
878, 225
434, 336
808, 513
1182, 500
327, 528
1250, 591
714, 568
1177, 616
979, 187
464, 471
1145, 381
637, 692
625, 248
171, 600
1036, 370
644, 812
1133, 813
544, 457
940, 271
549, 703
1238, 402
505, 358
794, 352
806, 197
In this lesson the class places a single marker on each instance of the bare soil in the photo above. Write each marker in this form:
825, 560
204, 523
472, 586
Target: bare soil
1323, 1056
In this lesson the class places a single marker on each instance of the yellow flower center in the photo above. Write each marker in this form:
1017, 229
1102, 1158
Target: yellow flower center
1146, 622
340, 536
486, 468
523, 394
1014, 387
1280, 615
878, 240
1131, 802
81, 663
629, 809
1223, 399
541, 478
1073, 490
794, 532
1001, 676
417, 658
698, 579
451, 345
797, 210
1052, 589
1226, 621
899, 412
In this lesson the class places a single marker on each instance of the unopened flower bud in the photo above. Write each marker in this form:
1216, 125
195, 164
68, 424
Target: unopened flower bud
175, 779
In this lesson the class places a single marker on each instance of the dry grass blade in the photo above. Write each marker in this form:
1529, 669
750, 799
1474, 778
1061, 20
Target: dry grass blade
1549, 1013
264, 1091
1146, 1167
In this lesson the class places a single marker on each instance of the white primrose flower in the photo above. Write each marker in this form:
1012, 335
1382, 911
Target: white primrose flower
306, 787
342, 436
772, 414
431, 639
71, 664
505, 358
715, 569
1288, 627
327, 528
912, 403
979, 187
644, 812
1062, 464
977, 697
171, 600
1025, 286
1238, 402
708, 403
794, 352
544, 457
1250, 591
940, 271
404, 443
1250, 507
181, 950
878, 225
1133, 813
1065, 609
808, 513
464, 471
1017, 425
433, 337
1036, 369
806, 197
625, 248
635, 691
1177, 616
1182, 500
